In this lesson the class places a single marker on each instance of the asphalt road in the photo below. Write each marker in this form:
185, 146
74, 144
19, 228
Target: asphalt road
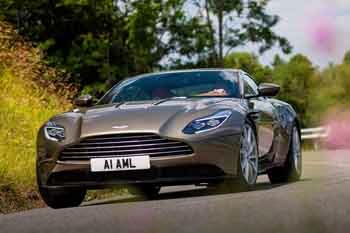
318, 203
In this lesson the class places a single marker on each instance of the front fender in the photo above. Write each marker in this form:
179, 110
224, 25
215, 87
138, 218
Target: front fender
48, 151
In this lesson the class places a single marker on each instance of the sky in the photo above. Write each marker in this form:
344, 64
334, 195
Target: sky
320, 29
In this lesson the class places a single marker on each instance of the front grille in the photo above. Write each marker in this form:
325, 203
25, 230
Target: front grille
115, 145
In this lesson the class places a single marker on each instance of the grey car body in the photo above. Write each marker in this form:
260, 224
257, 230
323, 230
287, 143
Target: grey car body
208, 157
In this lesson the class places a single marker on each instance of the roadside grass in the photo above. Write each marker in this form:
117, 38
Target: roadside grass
30, 93
24, 107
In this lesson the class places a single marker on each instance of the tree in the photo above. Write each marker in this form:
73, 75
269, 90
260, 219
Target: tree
331, 93
277, 61
100, 42
158, 29
240, 22
250, 64
346, 59
296, 79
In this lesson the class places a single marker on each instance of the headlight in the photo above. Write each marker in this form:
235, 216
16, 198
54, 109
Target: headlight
204, 124
54, 132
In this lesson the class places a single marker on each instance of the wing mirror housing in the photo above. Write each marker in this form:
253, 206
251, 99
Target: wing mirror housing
83, 101
268, 89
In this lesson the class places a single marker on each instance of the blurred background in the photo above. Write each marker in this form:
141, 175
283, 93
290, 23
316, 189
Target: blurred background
52, 51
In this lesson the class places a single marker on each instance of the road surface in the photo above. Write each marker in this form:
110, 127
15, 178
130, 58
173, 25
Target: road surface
320, 202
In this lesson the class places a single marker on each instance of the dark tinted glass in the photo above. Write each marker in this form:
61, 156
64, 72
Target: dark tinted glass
178, 84
250, 87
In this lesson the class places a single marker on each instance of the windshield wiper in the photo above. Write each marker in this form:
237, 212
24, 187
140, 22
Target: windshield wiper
170, 98
118, 104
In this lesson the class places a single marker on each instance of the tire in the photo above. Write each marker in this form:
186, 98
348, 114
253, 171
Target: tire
248, 163
60, 198
148, 191
64, 198
291, 171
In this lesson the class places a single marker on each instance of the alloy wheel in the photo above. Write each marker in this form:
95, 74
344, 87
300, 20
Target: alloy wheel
296, 150
249, 155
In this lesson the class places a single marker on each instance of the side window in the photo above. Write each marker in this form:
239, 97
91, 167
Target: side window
250, 87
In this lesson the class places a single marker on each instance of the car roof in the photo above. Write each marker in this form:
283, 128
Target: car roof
192, 70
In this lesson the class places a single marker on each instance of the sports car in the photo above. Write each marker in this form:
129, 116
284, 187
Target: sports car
202, 127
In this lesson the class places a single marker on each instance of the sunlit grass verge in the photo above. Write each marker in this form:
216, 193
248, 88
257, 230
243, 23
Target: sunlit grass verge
24, 106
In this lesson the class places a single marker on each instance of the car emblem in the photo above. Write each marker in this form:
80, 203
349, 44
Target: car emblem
120, 126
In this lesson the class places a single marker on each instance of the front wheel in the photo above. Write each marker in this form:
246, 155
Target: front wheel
291, 171
248, 164
62, 198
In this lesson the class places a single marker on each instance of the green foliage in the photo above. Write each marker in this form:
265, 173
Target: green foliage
240, 22
277, 61
87, 58
295, 78
106, 40
331, 92
31, 93
250, 64
346, 59
19, 126
160, 28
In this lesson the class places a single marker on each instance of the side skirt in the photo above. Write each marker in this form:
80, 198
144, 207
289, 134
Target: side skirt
266, 164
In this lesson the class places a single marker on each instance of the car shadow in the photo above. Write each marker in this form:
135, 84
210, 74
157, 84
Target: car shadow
189, 193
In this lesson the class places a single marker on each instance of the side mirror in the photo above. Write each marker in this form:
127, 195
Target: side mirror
268, 89
84, 101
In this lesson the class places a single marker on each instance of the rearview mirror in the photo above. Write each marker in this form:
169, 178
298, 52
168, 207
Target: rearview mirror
268, 89
84, 101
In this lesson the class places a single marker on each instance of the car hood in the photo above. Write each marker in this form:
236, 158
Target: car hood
149, 116
164, 117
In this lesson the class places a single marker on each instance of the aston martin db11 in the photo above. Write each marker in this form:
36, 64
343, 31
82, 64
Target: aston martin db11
202, 127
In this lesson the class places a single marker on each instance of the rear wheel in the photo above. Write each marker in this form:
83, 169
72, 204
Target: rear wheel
291, 171
62, 198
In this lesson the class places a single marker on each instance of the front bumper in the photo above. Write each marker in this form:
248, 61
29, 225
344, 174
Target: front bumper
214, 158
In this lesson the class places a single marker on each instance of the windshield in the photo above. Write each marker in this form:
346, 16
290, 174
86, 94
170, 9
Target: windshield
177, 84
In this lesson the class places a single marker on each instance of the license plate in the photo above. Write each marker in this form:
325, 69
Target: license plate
120, 163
